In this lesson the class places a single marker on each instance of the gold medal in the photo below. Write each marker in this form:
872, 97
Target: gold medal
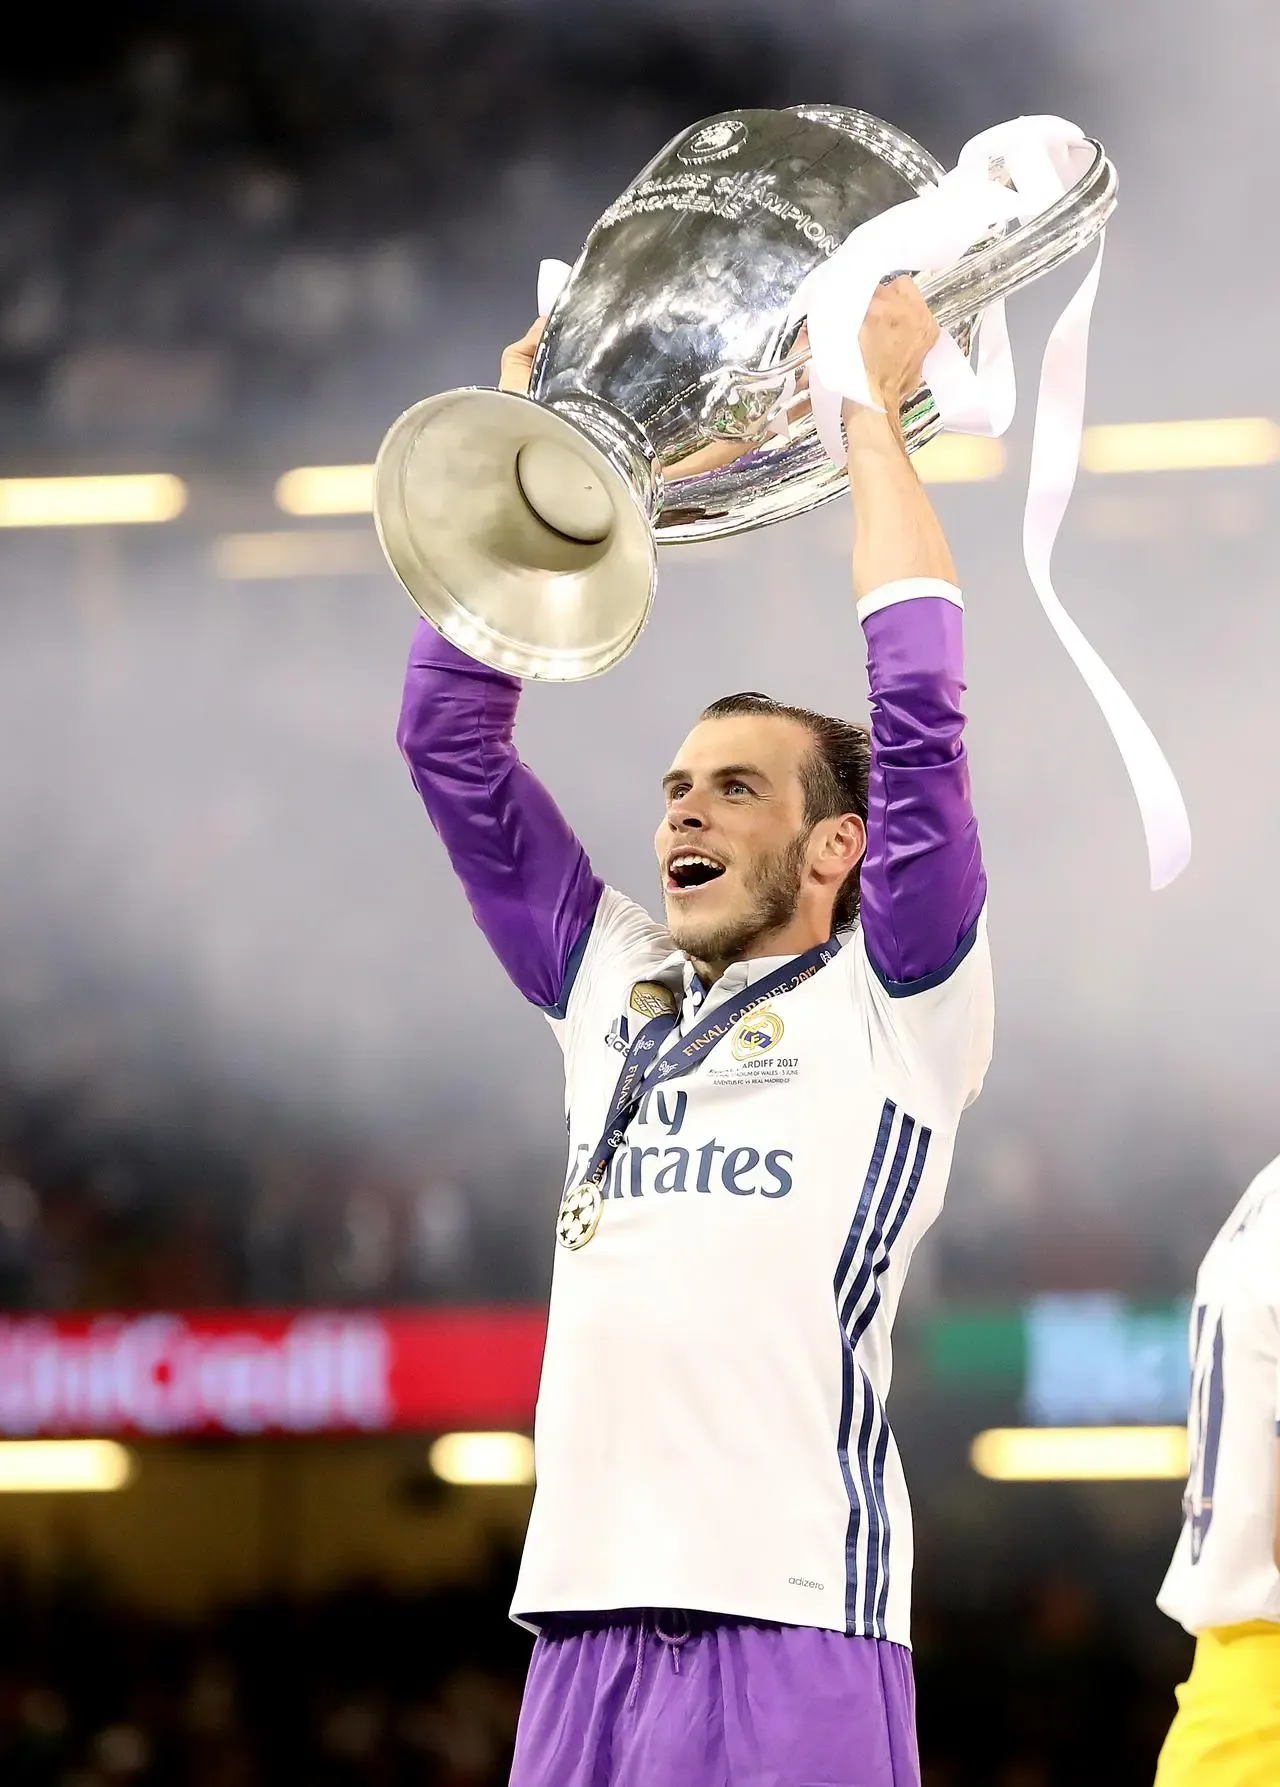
579, 1216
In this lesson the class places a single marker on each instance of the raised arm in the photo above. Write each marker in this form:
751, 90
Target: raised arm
528, 879
922, 878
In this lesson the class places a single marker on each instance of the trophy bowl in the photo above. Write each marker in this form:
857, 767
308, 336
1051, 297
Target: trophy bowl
525, 528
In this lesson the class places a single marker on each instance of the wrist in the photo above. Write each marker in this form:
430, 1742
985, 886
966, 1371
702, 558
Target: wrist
865, 427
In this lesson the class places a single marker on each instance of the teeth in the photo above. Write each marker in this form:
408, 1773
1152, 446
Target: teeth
685, 862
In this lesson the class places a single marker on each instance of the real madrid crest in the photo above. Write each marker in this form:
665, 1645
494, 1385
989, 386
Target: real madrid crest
651, 999
758, 1033
579, 1216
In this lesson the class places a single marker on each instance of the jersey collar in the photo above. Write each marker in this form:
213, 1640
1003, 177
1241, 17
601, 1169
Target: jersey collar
736, 976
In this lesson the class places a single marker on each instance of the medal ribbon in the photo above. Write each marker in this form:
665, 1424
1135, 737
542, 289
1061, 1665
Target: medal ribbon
646, 1066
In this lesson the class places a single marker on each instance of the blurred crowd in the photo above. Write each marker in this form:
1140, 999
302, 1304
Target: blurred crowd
370, 1688
230, 214
364, 1687
215, 216
205, 1199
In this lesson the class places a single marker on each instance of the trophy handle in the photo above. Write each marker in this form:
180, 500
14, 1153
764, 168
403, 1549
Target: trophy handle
1017, 259
743, 401
775, 479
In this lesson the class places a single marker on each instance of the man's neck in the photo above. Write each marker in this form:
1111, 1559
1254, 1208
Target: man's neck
709, 972
791, 939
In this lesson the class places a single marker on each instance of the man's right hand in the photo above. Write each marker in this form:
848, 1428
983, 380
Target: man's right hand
517, 360
896, 336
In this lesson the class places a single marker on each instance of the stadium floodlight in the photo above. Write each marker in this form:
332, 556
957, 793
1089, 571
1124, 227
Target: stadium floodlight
108, 501
1181, 446
483, 1458
303, 552
1080, 1454
56, 1467
959, 459
326, 490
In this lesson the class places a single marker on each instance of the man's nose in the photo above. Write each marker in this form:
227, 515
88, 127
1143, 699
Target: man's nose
684, 815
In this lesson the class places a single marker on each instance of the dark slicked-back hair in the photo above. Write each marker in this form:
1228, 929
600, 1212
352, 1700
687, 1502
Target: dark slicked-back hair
834, 774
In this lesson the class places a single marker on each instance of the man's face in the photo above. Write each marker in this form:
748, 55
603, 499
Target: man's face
733, 846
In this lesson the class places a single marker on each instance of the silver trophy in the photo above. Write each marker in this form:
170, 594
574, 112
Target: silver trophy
525, 528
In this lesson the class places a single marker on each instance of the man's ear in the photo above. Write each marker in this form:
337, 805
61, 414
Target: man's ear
843, 848
853, 830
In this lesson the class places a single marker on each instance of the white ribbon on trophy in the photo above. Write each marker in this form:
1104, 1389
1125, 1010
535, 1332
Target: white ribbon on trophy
1040, 159
931, 232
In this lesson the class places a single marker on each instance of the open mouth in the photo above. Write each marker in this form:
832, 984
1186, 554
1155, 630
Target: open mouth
690, 870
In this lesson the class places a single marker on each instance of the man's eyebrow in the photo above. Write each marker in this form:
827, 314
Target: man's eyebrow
726, 773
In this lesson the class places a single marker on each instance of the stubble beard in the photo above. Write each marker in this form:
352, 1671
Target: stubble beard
773, 890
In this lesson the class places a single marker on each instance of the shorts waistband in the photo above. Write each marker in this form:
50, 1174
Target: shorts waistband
685, 1620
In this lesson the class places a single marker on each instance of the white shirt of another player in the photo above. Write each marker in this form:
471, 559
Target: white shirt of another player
1224, 1570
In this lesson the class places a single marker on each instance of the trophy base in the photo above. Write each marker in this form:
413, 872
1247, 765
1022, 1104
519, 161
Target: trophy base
523, 534
562, 489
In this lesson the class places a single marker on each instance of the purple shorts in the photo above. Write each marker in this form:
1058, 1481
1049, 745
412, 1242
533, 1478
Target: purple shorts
691, 1700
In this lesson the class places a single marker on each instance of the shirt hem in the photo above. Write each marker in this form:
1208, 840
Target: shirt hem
714, 1606
1205, 1626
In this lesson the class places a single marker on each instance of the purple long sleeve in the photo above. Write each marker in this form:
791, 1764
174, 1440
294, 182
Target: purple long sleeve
922, 880
528, 879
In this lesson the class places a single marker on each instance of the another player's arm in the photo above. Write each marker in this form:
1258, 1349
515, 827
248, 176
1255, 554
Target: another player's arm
922, 878
531, 887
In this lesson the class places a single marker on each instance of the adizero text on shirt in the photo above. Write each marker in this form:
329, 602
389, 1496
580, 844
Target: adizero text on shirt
711, 1429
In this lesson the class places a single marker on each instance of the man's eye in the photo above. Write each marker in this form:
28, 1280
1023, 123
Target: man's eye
737, 788
676, 791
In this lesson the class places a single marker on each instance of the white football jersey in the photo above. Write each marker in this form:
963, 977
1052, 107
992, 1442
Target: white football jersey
1224, 1570
711, 1429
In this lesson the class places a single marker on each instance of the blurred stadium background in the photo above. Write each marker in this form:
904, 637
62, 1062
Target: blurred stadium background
279, 1150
